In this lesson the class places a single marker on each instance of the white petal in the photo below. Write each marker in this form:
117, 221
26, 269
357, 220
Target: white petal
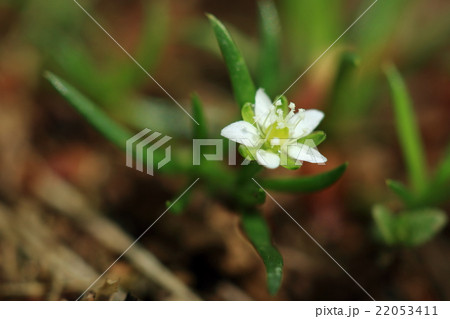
267, 159
302, 152
310, 121
264, 109
241, 132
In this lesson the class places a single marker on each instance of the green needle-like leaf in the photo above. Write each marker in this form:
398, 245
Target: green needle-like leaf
241, 81
113, 131
270, 47
200, 130
105, 125
306, 183
256, 229
407, 130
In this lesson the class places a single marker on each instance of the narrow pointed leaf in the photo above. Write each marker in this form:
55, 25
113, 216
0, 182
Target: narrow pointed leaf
305, 184
104, 124
113, 131
270, 47
241, 81
407, 130
401, 191
257, 231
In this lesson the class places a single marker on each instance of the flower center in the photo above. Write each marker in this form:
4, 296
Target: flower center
276, 135
275, 131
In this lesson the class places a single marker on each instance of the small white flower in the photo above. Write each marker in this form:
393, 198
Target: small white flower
273, 136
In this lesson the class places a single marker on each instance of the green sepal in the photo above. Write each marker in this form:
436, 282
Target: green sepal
248, 152
291, 163
248, 113
315, 138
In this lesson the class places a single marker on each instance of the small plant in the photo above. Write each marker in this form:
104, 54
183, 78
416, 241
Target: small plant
272, 122
420, 220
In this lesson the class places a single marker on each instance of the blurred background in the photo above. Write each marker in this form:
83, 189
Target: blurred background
69, 206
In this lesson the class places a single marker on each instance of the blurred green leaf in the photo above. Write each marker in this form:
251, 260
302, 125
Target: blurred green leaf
305, 183
159, 114
311, 26
180, 203
246, 172
373, 36
401, 191
241, 81
117, 134
269, 77
386, 224
316, 137
79, 67
437, 190
198, 33
417, 227
47, 24
256, 229
408, 228
343, 83
247, 193
105, 125
407, 130
200, 130
126, 76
